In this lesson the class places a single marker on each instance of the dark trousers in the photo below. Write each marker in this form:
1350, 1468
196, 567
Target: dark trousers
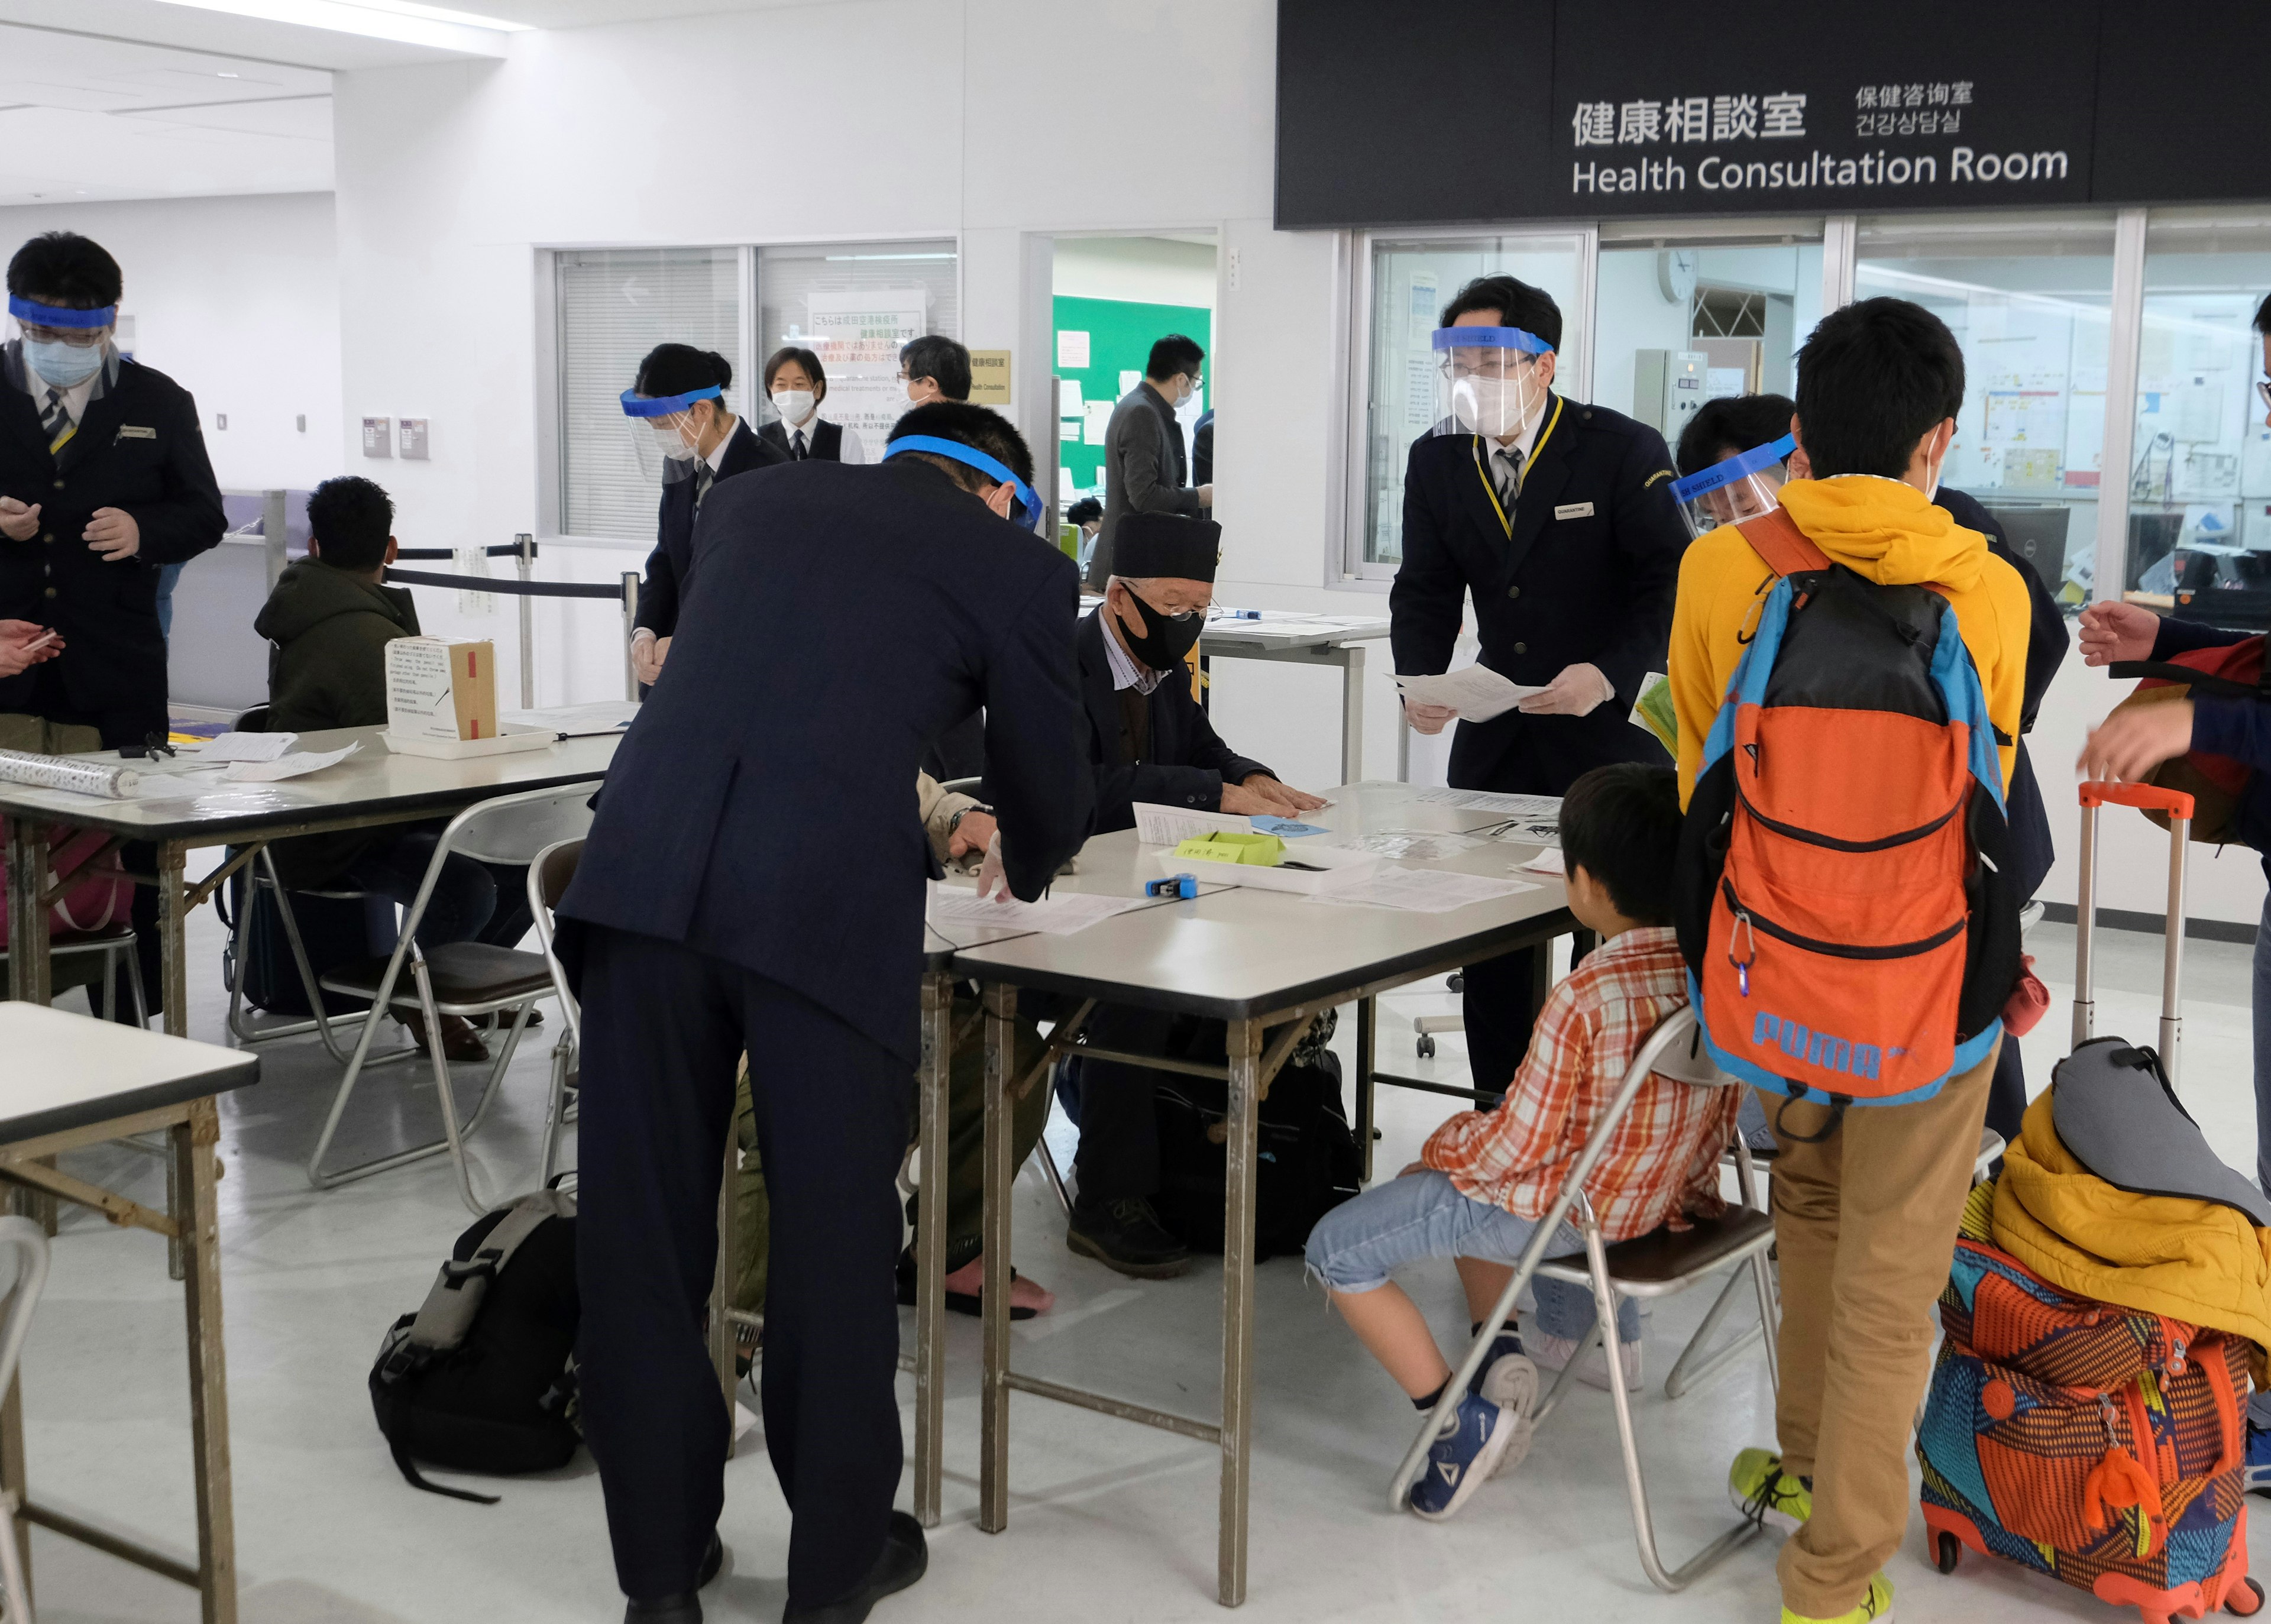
472, 901
663, 1029
1499, 1013
1119, 1154
2007, 1093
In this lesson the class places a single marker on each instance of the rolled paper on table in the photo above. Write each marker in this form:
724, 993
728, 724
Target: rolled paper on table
85, 777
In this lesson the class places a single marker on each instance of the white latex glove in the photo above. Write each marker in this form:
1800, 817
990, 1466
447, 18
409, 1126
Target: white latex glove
1579, 690
992, 877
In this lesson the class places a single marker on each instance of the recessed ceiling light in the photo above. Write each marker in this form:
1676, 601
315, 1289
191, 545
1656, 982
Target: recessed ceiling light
226, 74
376, 18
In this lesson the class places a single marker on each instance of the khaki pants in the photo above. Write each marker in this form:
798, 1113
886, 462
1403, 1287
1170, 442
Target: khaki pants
19, 731
1865, 1223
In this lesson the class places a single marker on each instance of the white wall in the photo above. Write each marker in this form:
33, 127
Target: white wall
237, 299
1137, 270
451, 178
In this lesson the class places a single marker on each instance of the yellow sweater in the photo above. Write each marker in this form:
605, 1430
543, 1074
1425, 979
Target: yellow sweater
2194, 1261
1883, 530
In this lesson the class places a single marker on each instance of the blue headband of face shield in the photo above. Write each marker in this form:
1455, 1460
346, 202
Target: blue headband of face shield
32, 314
1490, 338
1029, 504
1741, 466
636, 405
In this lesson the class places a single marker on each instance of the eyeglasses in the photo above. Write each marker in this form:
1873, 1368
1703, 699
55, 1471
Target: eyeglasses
2263, 391
1494, 367
79, 338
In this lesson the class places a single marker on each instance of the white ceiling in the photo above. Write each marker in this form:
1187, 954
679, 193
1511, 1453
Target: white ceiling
85, 120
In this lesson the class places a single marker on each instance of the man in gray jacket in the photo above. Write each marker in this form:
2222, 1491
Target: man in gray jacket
1146, 470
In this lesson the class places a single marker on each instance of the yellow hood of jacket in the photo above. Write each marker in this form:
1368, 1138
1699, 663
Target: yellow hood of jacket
2190, 1260
1886, 532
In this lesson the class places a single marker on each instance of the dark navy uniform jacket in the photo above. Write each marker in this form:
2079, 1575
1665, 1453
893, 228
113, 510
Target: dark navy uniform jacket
762, 808
1582, 571
138, 449
674, 547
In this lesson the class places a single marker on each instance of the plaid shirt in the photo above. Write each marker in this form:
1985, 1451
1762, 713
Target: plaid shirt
1663, 1161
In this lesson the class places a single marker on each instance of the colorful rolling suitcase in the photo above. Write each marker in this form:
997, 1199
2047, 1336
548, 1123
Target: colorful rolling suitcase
2105, 1447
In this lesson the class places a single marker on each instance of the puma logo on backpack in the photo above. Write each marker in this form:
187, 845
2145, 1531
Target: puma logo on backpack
1844, 896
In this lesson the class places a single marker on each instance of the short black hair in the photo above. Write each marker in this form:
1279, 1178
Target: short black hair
1873, 379
939, 358
64, 269
2263, 315
1172, 354
1086, 509
1620, 823
1732, 423
803, 358
979, 428
1518, 304
351, 517
680, 368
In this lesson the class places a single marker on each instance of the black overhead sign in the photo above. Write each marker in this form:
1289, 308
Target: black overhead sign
1451, 111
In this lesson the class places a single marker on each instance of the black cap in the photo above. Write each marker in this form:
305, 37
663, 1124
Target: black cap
1147, 545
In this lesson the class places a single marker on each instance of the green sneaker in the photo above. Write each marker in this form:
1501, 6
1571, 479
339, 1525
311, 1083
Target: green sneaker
1767, 1494
1876, 1607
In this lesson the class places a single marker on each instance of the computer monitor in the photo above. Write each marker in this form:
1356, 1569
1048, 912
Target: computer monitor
2037, 531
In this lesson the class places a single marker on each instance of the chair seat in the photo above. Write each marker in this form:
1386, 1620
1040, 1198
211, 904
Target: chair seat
469, 978
1665, 1260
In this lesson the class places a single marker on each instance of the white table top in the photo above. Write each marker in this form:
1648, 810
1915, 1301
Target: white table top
1276, 630
68, 1070
1239, 952
207, 811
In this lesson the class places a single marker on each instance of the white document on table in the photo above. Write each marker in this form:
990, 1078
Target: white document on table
1527, 807
1547, 862
1476, 692
231, 747
1158, 825
577, 722
1421, 891
297, 764
1060, 915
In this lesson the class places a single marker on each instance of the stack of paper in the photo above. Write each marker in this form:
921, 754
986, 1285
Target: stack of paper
1060, 915
299, 763
231, 747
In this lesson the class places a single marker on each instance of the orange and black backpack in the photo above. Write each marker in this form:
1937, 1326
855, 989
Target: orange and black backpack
1844, 898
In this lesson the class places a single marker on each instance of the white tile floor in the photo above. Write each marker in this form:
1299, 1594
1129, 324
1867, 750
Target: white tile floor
1115, 1521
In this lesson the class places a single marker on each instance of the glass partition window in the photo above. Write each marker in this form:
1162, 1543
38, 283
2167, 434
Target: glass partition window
853, 304
1411, 281
614, 305
2030, 304
1680, 325
2199, 478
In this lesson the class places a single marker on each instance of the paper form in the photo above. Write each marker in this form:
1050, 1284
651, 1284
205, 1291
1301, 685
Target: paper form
297, 764
1421, 891
245, 746
1060, 915
1158, 825
1476, 692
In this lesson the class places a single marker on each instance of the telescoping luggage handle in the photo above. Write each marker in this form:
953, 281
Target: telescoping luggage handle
2145, 797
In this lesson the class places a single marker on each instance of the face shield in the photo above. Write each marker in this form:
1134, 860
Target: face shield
64, 346
663, 431
1025, 509
1742, 487
1486, 380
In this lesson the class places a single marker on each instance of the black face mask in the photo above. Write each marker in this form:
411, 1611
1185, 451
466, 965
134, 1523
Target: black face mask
1165, 639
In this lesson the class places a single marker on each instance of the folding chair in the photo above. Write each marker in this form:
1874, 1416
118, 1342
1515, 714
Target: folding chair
25, 1245
115, 945
462, 978
1657, 1264
547, 881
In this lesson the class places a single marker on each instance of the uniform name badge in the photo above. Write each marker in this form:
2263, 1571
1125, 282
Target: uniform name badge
1574, 509
130, 431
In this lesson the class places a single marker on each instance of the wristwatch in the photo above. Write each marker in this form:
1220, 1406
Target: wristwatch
955, 823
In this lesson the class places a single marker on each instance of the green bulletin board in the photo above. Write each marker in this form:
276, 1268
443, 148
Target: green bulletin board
1119, 339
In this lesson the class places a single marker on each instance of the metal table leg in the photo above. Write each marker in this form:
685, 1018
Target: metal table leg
994, 1418
1238, 1307
930, 1244
1368, 1041
196, 1143
172, 937
1351, 665
28, 968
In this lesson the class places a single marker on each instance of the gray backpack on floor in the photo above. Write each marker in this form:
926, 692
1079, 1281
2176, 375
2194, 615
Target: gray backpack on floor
482, 1378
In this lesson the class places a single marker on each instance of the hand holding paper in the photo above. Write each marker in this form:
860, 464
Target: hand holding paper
1476, 692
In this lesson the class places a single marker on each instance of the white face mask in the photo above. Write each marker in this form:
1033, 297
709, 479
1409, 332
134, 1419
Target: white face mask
673, 442
1494, 407
794, 405
1183, 392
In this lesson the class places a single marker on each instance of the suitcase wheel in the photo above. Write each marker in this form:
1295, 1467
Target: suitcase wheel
1949, 1548
2250, 1593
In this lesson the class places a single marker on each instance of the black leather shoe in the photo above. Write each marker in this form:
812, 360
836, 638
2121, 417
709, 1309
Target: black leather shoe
1126, 1236
684, 1608
905, 1558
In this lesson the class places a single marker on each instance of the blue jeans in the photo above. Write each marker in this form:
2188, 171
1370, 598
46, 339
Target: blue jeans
472, 901
1360, 1243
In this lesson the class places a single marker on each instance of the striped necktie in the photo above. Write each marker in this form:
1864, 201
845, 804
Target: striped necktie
55, 421
1505, 461
796, 450
702, 476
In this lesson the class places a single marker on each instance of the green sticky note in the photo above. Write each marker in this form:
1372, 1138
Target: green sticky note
1231, 846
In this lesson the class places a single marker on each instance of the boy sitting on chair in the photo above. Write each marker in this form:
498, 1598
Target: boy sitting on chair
1485, 1179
